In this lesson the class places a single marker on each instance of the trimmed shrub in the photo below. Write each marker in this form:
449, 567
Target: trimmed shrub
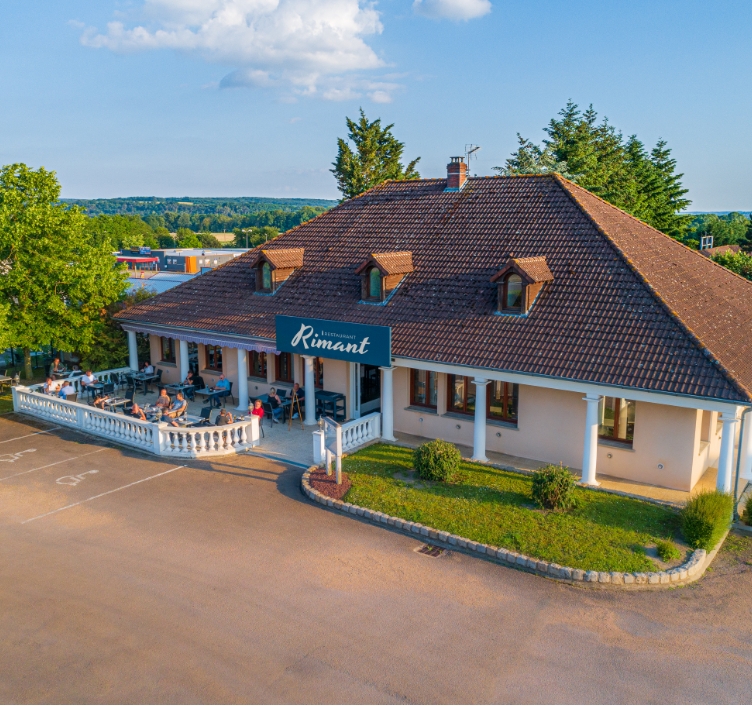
437, 460
747, 514
553, 487
667, 550
705, 518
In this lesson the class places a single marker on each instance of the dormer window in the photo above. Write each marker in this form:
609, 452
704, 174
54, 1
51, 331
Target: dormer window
381, 274
273, 267
374, 284
511, 295
519, 282
266, 277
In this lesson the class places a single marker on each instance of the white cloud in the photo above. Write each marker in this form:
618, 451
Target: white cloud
300, 47
452, 9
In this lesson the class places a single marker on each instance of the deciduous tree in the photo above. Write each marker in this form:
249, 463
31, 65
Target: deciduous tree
60, 274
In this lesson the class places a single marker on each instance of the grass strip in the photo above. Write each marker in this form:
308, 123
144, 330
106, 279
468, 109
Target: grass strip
603, 533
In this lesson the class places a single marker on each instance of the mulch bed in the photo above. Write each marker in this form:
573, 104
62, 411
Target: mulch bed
327, 485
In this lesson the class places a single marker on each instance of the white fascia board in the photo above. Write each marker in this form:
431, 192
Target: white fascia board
583, 388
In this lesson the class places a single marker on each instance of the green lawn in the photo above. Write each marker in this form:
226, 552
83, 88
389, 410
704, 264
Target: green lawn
604, 533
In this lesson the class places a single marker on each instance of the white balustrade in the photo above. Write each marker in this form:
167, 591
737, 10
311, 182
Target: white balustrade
160, 439
106, 376
357, 432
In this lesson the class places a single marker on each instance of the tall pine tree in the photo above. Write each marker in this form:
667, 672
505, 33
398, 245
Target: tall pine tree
596, 156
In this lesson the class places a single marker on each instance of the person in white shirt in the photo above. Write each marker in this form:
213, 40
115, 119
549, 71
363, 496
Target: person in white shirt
88, 379
67, 389
148, 368
51, 387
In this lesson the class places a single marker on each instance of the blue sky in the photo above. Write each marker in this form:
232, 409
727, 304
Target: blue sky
247, 97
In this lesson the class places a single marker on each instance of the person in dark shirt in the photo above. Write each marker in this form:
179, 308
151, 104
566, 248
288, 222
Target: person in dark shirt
224, 418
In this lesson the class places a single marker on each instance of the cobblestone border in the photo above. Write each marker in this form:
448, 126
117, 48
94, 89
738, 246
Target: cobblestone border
688, 572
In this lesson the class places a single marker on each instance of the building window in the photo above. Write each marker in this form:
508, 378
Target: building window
512, 293
266, 277
214, 358
374, 284
423, 388
461, 394
257, 364
503, 401
617, 418
168, 350
283, 363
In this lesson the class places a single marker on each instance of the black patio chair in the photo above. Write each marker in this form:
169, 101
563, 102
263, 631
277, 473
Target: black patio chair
128, 406
108, 388
268, 412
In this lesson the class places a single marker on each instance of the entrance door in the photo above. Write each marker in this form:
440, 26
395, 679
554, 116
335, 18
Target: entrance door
370, 389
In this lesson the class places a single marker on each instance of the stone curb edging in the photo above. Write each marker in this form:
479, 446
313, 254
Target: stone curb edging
688, 572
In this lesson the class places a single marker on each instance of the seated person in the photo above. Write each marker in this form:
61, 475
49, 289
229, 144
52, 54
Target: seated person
222, 385
177, 409
224, 418
188, 379
101, 400
148, 368
257, 410
88, 379
67, 389
50, 387
137, 412
276, 405
57, 367
298, 391
76, 368
163, 401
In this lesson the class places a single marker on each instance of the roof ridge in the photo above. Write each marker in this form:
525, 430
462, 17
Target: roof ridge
696, 340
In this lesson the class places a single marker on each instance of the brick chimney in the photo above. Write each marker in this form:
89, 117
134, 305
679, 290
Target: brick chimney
456, 174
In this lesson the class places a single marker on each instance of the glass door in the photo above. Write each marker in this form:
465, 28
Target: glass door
370, 389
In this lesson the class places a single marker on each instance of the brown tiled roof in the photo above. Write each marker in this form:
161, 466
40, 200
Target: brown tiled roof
721, 250
279, 258
389, 263
628, 306
535, 269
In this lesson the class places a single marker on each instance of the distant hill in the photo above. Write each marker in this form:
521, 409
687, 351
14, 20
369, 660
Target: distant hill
193, 205
214, 215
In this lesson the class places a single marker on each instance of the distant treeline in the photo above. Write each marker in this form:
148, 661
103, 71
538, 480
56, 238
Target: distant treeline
209, 215
733, 228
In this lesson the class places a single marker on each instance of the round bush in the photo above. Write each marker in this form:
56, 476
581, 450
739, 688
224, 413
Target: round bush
437, 460
747, 516
705, 518
553, 487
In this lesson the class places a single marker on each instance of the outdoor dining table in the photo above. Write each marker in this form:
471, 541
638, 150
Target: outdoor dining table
175, 387
116, 402
331, 404
5, 380
145, 379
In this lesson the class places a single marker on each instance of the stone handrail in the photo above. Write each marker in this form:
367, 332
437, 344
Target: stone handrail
357, 432
159, 439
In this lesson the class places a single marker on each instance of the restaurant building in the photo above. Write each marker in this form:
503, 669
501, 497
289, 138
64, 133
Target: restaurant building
520, 315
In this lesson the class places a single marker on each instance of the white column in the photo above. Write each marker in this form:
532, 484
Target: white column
590, 451
184, 362
726, 459
479, 432
387, 404
242, 380
310, 391
745, 444
132, 350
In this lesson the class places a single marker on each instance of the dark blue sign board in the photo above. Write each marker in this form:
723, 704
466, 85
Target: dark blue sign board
357, 343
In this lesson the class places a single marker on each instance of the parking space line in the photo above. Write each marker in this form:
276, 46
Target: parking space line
57, 463
26, 436
94, 497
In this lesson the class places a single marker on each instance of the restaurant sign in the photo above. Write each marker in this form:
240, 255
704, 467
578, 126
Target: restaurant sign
357, 343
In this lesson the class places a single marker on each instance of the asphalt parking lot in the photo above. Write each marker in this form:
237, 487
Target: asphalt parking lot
125, 578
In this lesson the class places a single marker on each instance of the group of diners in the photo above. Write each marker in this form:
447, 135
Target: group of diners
277, 404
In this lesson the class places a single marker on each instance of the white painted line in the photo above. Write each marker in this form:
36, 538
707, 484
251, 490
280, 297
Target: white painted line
57, 463
94, 497
26, 436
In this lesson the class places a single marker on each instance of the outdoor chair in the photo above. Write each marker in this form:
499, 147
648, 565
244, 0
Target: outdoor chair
128, 406
268, 412
108, 388
72, 398
159, 377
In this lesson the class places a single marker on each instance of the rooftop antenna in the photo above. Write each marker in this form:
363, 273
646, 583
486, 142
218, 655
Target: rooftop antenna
470, 150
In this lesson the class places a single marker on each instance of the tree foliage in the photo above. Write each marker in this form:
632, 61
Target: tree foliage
251, 237
376, 158
741, 263
123, 231
728, 229
597, 157
60, 274
111, 350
